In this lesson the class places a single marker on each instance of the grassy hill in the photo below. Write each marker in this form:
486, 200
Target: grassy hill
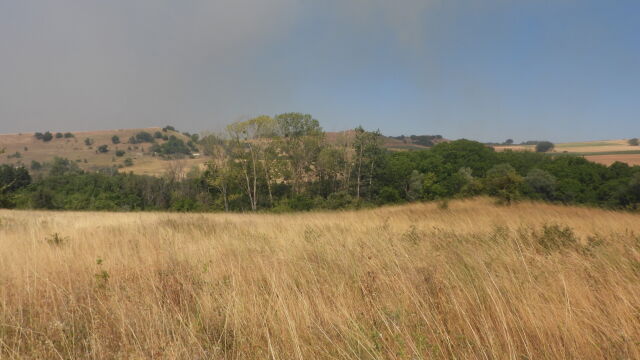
471, 281
25, 148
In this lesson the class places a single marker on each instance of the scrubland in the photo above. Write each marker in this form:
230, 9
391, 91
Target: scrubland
471, 280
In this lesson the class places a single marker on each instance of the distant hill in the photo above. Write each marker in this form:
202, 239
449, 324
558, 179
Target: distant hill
26, 148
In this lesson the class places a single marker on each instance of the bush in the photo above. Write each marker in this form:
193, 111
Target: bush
634, 142
544, 146
88, 141
168, 128
68, 135
555, 237
128, 162
338, 200
103, 148
115, 139
157, 135
503, 181
59, 135
120, 153
143, 137
389, 195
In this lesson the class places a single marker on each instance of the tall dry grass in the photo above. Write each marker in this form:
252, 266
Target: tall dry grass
410, 282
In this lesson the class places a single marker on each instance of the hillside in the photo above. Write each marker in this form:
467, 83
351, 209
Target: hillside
474, 281
603, 151
88, 157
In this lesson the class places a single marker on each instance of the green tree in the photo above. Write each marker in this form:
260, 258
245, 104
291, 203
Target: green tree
115, 139
503, 181
541, 182
544, 146
634, 142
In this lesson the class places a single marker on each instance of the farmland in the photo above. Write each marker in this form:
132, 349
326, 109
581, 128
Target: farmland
467, 280
605, 152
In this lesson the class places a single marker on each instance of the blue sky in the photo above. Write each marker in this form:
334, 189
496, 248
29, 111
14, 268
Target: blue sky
561, 70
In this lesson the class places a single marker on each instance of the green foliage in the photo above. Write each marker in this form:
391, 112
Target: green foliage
68, 135
59, 135
88, 141
168, 128
283, 163
173, 146
103, 149
141, 137
503, 181
634, 142
115, 139
157, 135
544, 146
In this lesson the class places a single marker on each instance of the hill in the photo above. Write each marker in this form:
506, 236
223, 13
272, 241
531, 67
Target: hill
421, 281
26, 148
603, 151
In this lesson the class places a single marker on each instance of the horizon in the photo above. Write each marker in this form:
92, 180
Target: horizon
562, 71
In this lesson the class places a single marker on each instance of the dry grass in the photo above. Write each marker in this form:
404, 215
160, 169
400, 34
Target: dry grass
75, 150
412, 282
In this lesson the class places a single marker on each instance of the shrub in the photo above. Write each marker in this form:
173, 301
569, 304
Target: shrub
157, 135
120, 153
103, 148
115, 139
56, 240
59, 135
503, 181
47, 136
389, 195
544, 146
634, 142
88, 141
35, 166
555, 237
168, 128
128, 162
143, 137
68, 135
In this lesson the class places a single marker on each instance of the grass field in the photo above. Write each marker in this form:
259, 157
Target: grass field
469, 281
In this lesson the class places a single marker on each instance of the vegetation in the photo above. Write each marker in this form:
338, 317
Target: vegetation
634, 142
283, 163
46, 137
141, 137
465, 280
544, 146
173, 146
59, 135
115, 139
120, 153
88, 141
68, 135
103, 148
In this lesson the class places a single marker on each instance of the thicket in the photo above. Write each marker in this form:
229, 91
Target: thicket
284, 164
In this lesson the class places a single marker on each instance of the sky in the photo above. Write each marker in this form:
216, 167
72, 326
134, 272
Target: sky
563, 70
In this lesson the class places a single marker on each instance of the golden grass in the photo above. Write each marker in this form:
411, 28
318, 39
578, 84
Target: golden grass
410, 282
75, 150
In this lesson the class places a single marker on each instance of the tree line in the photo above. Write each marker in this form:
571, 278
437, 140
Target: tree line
285, 163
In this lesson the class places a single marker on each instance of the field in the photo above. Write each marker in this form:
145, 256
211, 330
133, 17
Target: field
87, 157
465, 280
604, 152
